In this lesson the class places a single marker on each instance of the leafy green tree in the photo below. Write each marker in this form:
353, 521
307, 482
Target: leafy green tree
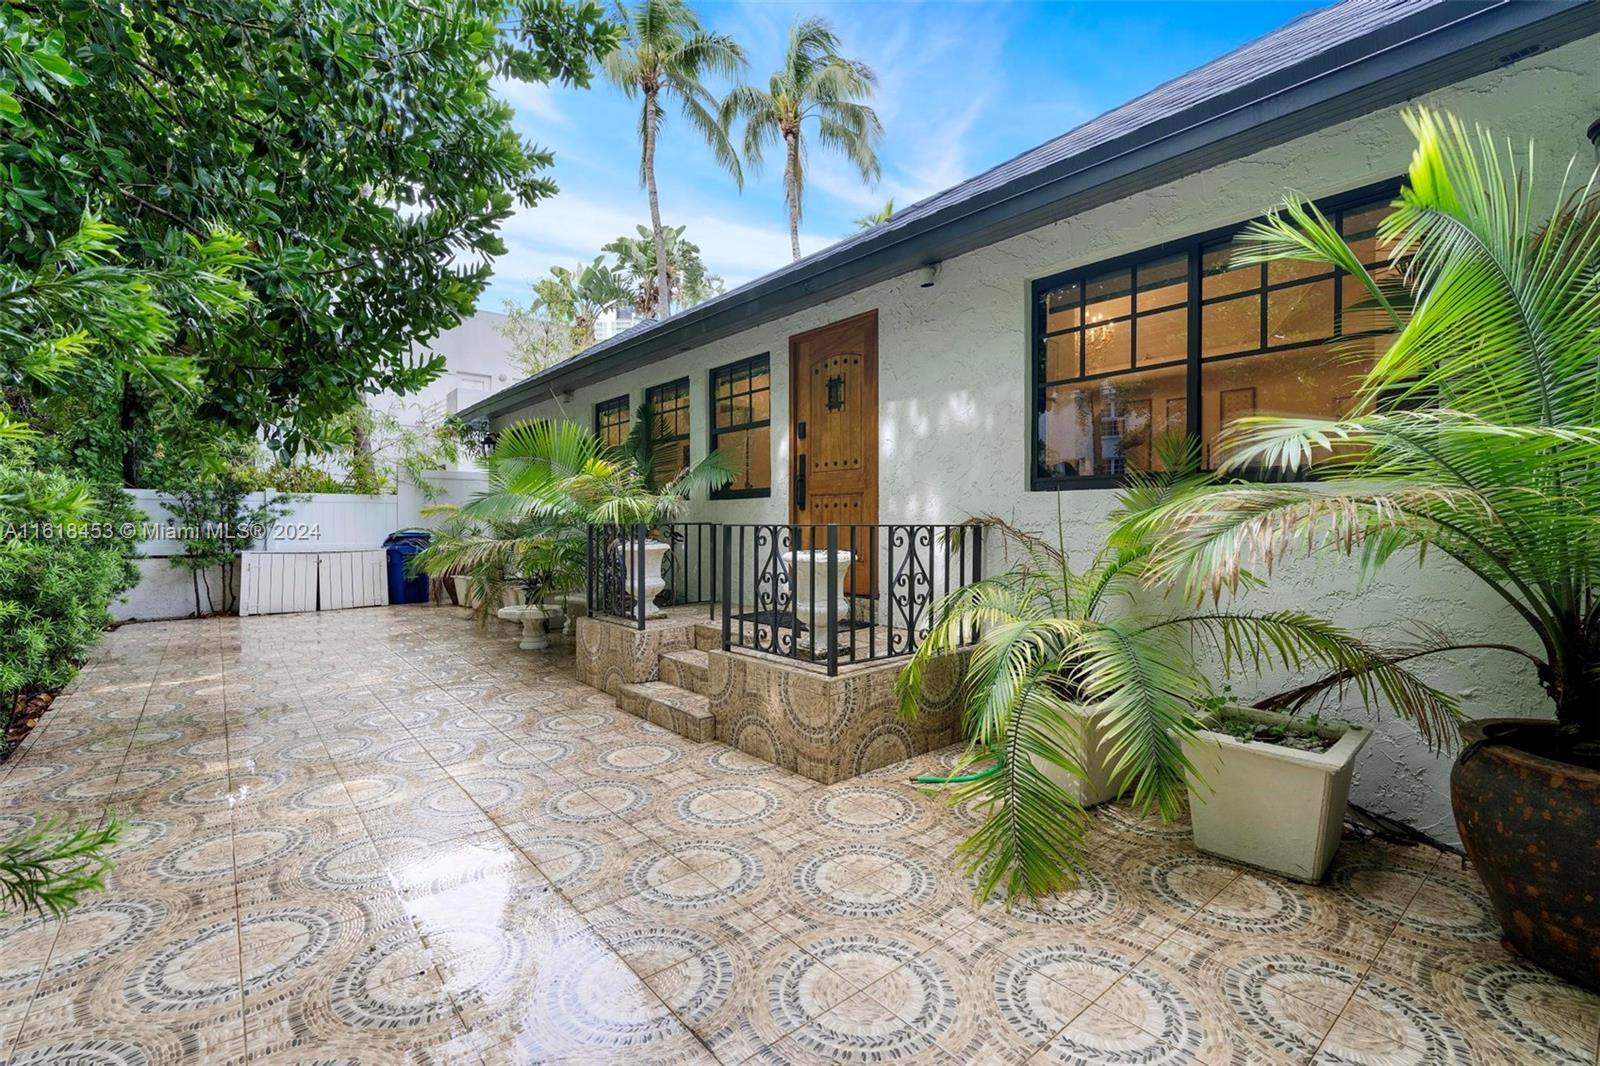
354, 146
218, 519
664, 54
876, 218
813, 82
48, 869
560, 319
688, 280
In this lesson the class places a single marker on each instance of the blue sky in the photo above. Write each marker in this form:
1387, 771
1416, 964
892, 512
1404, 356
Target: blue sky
962, 86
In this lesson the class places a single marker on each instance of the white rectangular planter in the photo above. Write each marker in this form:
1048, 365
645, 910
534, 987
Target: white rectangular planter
1098, 785
1269, 806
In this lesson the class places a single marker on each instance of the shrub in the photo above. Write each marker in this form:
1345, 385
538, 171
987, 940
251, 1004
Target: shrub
64, 556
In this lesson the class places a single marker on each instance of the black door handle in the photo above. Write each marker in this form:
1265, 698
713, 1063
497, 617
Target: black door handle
800, 484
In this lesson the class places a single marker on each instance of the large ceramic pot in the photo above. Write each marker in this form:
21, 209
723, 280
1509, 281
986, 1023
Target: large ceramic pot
1531, 826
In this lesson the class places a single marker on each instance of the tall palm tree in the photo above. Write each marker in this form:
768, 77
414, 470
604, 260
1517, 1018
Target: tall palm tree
815, 81
688, 280
664, 54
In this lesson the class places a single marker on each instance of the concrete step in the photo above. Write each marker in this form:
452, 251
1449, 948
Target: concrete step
686, 713
687, 668
708, 636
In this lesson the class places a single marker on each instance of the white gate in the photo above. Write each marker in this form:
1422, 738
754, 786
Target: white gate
285, 582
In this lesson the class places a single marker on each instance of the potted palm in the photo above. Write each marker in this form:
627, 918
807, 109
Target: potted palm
1476, 436
1080, 673
549, 481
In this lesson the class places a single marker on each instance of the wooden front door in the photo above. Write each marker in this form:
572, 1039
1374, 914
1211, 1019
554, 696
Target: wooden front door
833, 378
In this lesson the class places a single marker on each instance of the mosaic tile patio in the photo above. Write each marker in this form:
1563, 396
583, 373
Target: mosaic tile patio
382, 836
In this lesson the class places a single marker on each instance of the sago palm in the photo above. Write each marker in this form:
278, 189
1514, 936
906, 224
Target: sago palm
1062, 646
548, 481
814, 82
1475, 435
663, 56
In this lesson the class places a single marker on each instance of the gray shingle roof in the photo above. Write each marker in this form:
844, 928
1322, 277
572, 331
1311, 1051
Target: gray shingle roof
1259, 82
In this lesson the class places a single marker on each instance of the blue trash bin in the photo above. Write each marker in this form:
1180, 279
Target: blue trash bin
401, 545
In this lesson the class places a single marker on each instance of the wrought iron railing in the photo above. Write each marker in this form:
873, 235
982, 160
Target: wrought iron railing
840, 594
636, 571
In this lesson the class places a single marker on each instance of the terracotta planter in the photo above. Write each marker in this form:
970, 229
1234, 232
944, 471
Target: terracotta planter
1531, 826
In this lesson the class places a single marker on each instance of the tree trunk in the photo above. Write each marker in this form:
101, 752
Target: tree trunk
791, 189
663, 296
127, 421
363, 467
194, 576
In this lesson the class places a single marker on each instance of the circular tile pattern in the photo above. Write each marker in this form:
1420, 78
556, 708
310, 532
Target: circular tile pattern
1256, 990
1549, 1017
573, 864
594, 1007
1094, 899
1030, 999
1187, 882
917, 990
722, 873
576, 722
202, 969
595, 802
639, 758
734, 761
727, 806
864, 880
863, 809
1257, 905
101, 929
218, 855
85, 1053
370, 992
350, 864
103, 786
549, 750
1418, 902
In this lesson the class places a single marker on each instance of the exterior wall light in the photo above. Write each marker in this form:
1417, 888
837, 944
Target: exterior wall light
1593, 133
928, 275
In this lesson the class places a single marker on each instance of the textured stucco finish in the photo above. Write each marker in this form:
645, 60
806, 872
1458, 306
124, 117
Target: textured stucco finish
954, 415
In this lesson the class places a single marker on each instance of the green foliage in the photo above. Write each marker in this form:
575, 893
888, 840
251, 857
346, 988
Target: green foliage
296, 479
688, 280
814, 82
1062, 646
548, 482
353, 146
49, 868
1476, 434
218, 519
663, 55
876, 218
64, 556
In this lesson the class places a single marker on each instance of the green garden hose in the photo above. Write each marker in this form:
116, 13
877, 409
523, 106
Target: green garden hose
961, 779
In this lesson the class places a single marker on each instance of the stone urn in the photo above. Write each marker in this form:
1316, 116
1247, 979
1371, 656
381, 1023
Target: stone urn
655, 556
532, 619
810, 587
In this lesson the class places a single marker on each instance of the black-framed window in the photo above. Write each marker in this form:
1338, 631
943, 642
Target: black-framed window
669, 430
611, 421
741, 425
1172, 340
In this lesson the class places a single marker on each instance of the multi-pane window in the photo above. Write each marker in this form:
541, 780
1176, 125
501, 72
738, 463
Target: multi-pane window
611, 421
1177, 340
741, 425
669, 429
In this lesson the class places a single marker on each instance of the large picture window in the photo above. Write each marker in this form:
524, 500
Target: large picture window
611, 421
741, 425
1175, 340
669, 430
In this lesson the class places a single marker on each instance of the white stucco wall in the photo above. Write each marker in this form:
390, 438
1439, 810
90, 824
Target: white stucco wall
955, 417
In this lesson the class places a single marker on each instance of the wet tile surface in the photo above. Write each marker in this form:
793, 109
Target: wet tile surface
383, 836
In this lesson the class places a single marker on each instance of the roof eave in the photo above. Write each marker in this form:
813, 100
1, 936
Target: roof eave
1425, 51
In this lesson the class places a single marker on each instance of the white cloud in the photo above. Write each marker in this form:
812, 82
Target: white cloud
530, 99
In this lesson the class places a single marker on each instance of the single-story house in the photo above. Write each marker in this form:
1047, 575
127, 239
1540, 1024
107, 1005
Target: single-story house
1014, 343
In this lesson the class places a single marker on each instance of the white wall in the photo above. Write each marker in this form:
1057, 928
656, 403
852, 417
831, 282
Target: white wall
955, 418
314, 522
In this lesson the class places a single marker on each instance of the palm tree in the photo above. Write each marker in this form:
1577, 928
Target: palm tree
548, 480
1061, 647
815, 81
574, 298
688, 280
876, 218
664, 54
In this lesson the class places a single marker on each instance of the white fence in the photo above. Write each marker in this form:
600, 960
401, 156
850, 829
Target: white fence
314, 523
